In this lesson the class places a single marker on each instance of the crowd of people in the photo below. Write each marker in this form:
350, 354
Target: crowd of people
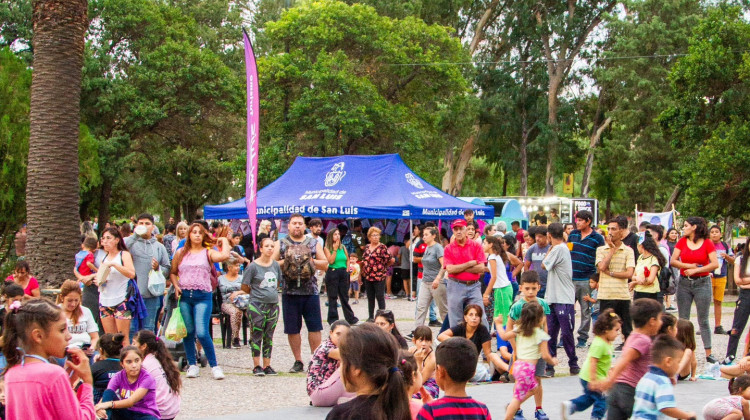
98, 351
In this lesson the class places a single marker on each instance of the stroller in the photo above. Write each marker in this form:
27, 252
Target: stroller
176, 348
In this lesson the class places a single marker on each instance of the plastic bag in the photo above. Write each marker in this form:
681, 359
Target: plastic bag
176, 329
156, 283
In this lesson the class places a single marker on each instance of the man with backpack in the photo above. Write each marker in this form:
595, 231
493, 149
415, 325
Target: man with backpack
299, 257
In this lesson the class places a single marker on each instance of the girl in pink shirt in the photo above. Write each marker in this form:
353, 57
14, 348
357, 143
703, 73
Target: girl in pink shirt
159, 364
35, 388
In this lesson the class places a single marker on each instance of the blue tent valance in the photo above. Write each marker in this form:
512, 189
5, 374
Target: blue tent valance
370, 187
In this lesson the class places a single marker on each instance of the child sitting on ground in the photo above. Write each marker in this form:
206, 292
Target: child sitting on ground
108, 365
595, 368
354, 282
425, 357
531, 345
654, 395
635, 359
407, 364
455, 364
733, 407
132, 392
688, 364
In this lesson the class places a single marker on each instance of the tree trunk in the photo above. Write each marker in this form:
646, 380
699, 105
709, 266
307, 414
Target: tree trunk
552, 103
105, 197
608, 210
176, 213
505, 183
593, 142
672, 198
524, 188
456, 167
52, 190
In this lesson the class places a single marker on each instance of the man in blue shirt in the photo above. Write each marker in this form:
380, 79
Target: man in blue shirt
583, 242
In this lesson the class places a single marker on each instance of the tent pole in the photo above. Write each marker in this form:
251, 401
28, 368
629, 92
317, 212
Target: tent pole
411, 263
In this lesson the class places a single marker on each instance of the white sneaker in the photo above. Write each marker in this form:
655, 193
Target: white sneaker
217, 372
567, 409
193, 371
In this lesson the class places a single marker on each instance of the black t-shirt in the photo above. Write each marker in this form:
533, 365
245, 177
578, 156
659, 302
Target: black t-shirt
102, 371
360, 408
540, 219
481, 335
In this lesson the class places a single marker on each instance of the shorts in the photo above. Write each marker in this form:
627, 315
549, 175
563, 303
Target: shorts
296, 307
719, 285
354, 286
541, 367
524, 372
117, 312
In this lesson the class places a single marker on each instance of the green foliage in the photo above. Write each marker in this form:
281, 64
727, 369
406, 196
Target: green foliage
15, 26
339, 81
15, 88
709, 120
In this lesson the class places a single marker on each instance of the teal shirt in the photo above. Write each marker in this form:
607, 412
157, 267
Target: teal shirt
515, 310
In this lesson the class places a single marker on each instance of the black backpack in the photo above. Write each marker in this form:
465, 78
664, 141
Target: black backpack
667, 280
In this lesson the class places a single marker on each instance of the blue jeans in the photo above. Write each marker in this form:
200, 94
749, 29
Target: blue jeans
123, 413
460, 295
196, 306
152, 306
589, 398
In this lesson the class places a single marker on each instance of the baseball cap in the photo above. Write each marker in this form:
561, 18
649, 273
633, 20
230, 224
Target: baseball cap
458, 223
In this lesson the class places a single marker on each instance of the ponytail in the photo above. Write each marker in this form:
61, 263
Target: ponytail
156, 347
20, 320
375, 353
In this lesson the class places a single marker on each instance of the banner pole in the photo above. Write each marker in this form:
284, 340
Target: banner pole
411, 260
674, 216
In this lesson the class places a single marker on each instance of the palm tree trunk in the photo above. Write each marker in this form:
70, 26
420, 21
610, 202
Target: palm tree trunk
52, 190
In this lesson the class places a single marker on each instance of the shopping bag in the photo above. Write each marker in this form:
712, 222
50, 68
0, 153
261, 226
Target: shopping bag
156, 283
176, 329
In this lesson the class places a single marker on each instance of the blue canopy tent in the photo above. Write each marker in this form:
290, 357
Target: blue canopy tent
379, 186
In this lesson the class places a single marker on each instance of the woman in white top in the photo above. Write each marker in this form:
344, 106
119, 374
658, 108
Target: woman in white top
499, 285
113, 290
81, 323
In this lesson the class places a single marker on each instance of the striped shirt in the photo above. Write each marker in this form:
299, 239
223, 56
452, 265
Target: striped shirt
583, 254
654, 393
454, 408
611, 288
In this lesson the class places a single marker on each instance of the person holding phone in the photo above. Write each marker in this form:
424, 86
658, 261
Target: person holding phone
84, 333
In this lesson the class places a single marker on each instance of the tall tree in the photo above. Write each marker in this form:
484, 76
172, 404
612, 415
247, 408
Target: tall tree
564, 29
52, 190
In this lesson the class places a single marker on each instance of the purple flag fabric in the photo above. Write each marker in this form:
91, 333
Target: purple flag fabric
253, 129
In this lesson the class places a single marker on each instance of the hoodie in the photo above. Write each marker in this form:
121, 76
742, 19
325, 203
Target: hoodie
142, 251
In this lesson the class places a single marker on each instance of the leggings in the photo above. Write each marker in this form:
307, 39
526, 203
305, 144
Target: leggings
235, 317
374, 289
328, 393
263, 316
123, 413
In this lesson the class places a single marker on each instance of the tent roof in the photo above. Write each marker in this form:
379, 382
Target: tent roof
378, 186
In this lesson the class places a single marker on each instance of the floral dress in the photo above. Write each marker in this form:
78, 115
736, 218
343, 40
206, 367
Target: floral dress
321, 366
375, 263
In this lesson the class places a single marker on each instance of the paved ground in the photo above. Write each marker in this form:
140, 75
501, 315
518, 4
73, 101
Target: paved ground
496, 396
243, 396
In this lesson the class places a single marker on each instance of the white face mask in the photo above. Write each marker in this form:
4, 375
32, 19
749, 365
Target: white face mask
141, 230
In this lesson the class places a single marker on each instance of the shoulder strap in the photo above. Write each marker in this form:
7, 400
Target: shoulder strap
208, 256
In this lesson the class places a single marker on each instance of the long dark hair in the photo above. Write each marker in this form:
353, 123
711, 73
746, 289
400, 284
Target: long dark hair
111, 344
207, 242
375, 353
388, 316
159, 350
701, 228
686, 333
496, 245
531, 316
510, 239
670, 231
745, 256
39, 312
118, 236
650, 245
